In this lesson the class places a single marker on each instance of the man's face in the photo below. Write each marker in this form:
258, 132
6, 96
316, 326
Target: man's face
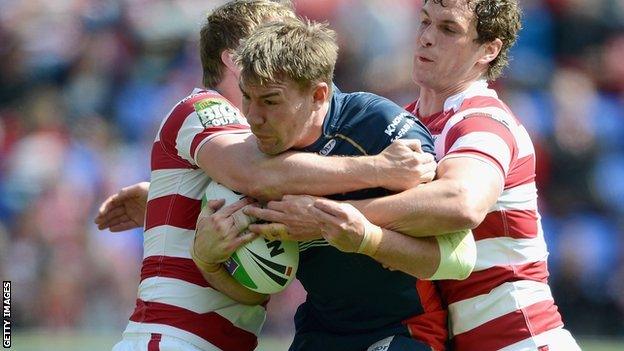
279, 114
446, 52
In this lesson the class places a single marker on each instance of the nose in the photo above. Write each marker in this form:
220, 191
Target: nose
425, 35
253, 114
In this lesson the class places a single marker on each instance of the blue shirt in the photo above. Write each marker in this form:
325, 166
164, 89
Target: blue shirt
349, 292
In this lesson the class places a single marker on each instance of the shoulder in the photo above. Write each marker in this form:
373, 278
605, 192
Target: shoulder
211, 108
378, 121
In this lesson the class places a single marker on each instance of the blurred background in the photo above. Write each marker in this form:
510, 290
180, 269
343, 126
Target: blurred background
84, 85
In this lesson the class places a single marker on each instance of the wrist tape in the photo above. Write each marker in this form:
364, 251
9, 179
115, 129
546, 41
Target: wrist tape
458, 255
371, 240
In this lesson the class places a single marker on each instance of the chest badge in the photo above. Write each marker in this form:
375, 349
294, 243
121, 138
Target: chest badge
328, 147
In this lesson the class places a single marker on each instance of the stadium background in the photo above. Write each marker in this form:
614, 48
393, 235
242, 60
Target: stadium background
85, 83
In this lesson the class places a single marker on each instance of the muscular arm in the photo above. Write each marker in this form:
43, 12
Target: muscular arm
222, 280
418, 257
235, 161
460, 198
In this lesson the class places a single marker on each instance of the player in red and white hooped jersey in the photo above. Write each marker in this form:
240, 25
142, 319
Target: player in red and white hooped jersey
173, 297
506, 301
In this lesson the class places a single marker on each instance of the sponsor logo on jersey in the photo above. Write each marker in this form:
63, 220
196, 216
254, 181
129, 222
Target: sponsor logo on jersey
216, 112
328, 147
408, 122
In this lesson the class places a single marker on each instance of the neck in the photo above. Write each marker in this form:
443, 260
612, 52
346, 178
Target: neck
315, 127
228, 87
432, 100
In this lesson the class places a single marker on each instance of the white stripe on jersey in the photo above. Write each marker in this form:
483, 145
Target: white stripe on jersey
167, 240
189, 129
503, 251
179, 293
187, 182
523, 140
470, 313
489, 143
521, 197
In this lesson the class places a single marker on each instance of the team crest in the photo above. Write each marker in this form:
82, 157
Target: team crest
328, 147
216, 113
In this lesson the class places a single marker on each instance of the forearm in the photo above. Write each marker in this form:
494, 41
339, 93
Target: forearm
430, 209
222, 281
298, 173
418, 257
448, 256
236, 162
459, 199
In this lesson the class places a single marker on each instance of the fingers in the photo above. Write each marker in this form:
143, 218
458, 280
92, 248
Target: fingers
111, 217
413, 144
270, 231
230, 209
245, 238
212, 206
264, 214
241, 220
329, 207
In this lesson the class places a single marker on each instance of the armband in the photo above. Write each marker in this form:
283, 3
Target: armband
458, 255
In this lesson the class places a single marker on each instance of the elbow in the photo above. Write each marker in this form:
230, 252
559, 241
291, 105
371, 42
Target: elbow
468, 213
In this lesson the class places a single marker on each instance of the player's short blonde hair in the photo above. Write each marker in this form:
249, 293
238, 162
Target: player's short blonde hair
228, 24
303, 51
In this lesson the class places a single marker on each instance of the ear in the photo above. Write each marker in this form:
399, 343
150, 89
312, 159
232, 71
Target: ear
490, 51
320, 94
227, 57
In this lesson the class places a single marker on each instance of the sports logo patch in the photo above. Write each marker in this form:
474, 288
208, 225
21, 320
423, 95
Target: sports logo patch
216, 113
328, 147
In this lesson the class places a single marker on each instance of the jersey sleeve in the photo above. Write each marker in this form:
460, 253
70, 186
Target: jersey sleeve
206, 118
386, 122
484, 138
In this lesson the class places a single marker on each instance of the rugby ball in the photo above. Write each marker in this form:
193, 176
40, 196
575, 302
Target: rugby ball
261, 265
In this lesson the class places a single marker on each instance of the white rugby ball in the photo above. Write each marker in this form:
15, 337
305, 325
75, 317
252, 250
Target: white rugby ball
261, 265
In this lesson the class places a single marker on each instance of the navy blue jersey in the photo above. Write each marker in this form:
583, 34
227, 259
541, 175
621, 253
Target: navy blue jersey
351, 293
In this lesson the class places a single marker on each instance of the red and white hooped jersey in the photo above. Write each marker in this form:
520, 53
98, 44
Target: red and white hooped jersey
506, 302
174, 299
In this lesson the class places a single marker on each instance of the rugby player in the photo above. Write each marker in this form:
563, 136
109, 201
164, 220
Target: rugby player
485, 180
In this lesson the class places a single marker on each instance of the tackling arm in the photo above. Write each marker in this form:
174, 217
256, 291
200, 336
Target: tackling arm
235, 161
460, 198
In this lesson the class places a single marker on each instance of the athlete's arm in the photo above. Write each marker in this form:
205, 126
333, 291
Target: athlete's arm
221, 280
235, 161
451, 256
460, 198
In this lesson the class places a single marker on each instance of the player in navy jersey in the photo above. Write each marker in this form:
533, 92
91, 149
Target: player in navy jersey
353, 302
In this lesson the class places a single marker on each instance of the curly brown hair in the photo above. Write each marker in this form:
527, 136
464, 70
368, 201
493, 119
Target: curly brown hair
495, 19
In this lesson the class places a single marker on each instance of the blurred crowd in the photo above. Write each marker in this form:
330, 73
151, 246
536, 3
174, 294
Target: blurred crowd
84, 85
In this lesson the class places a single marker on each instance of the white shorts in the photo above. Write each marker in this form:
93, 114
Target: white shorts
557, 339
152, 342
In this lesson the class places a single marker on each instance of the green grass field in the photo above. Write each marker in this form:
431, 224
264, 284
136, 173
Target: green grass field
40, 341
